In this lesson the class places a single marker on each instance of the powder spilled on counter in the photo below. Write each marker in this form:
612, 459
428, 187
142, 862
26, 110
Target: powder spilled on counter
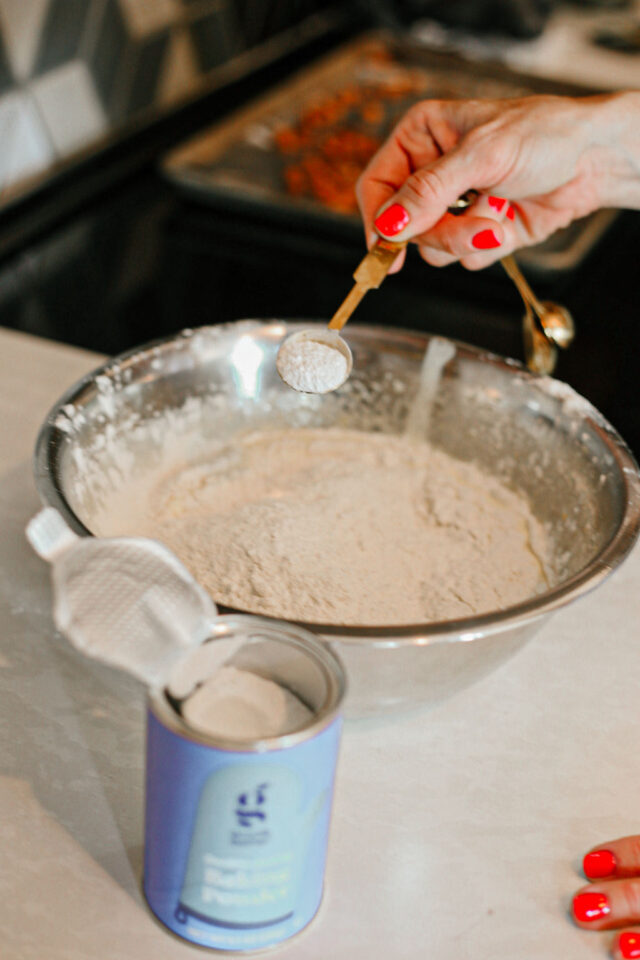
347, 527
312, 366
241, 705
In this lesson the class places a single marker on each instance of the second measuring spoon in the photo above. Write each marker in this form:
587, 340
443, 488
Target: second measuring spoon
555, 320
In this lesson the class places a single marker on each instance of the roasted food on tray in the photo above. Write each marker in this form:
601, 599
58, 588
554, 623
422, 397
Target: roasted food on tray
334, 138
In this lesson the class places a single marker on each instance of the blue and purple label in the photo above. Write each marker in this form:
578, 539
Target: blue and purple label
235, 843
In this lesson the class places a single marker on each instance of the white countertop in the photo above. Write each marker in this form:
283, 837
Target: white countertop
457, 832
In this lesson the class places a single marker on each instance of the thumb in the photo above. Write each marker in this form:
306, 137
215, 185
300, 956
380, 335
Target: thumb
424, 197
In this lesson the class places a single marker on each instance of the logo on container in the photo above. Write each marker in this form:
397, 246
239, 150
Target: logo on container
251, 814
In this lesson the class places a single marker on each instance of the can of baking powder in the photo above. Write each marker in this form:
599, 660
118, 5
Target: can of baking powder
236, 832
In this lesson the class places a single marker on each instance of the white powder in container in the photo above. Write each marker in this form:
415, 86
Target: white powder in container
312, 366
240, 705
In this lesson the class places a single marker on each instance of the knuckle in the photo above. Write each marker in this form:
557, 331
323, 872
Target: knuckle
630, 890
483, 136
424, 186
417, 114
634, 852
496, 146
410, 128
435, 257
454, 236
433, 240
475, 262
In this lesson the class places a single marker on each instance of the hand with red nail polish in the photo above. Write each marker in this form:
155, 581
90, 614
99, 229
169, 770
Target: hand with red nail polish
612, 901
536, 163
392, 220
629, 944
486, 240
599, 864
590, 906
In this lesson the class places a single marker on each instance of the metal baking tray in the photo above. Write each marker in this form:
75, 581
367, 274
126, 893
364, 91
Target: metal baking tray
348, 103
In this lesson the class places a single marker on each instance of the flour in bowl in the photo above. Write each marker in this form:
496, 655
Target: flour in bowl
352, 528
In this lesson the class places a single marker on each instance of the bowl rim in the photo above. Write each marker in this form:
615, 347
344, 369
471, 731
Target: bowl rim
51, 437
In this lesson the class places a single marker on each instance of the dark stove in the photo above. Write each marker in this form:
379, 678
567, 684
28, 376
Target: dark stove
126, 258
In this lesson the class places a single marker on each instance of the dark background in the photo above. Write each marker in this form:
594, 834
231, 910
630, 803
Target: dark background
107, 255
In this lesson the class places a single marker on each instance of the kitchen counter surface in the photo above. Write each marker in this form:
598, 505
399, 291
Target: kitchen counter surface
457, 831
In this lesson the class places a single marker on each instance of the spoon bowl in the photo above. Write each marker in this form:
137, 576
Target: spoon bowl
298, 373
557, 323
557, 328
541, 354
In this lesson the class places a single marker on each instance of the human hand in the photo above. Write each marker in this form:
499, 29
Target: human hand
612, 900
554, 158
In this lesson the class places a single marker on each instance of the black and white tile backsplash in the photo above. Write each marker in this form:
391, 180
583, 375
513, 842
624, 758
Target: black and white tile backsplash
74, 71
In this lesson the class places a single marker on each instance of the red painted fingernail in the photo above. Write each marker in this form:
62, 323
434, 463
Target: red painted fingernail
590, 906
511, 214
629, 945
599, 863
392, 220
485, 240
497, 203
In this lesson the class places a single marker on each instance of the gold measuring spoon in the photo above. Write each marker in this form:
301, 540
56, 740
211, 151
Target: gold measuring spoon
368, 276
295, 362
556, 321
540, 354
540, 347
309, 361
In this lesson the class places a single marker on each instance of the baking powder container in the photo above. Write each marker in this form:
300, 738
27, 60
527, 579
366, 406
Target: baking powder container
236, 832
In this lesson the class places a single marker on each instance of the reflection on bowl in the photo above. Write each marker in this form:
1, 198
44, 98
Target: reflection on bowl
150, 409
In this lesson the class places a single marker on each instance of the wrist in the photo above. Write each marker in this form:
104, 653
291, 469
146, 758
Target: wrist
613, 150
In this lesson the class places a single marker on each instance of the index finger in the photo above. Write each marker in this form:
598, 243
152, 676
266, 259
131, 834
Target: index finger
409, 147
608, 904
616, 858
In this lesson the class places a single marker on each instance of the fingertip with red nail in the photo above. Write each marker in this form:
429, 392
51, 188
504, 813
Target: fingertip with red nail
486, 240
628, 945
599, 864
590, 906
392, 220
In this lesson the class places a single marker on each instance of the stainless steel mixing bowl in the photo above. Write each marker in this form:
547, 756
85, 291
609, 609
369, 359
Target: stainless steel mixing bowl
155, 406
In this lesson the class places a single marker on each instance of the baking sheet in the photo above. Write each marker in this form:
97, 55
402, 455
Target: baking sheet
299, 149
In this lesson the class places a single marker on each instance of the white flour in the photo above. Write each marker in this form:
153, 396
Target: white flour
311, 366
436, 357
347, 527
243, 706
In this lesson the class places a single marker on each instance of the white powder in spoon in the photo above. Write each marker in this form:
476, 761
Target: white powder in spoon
241, 705
311, 366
